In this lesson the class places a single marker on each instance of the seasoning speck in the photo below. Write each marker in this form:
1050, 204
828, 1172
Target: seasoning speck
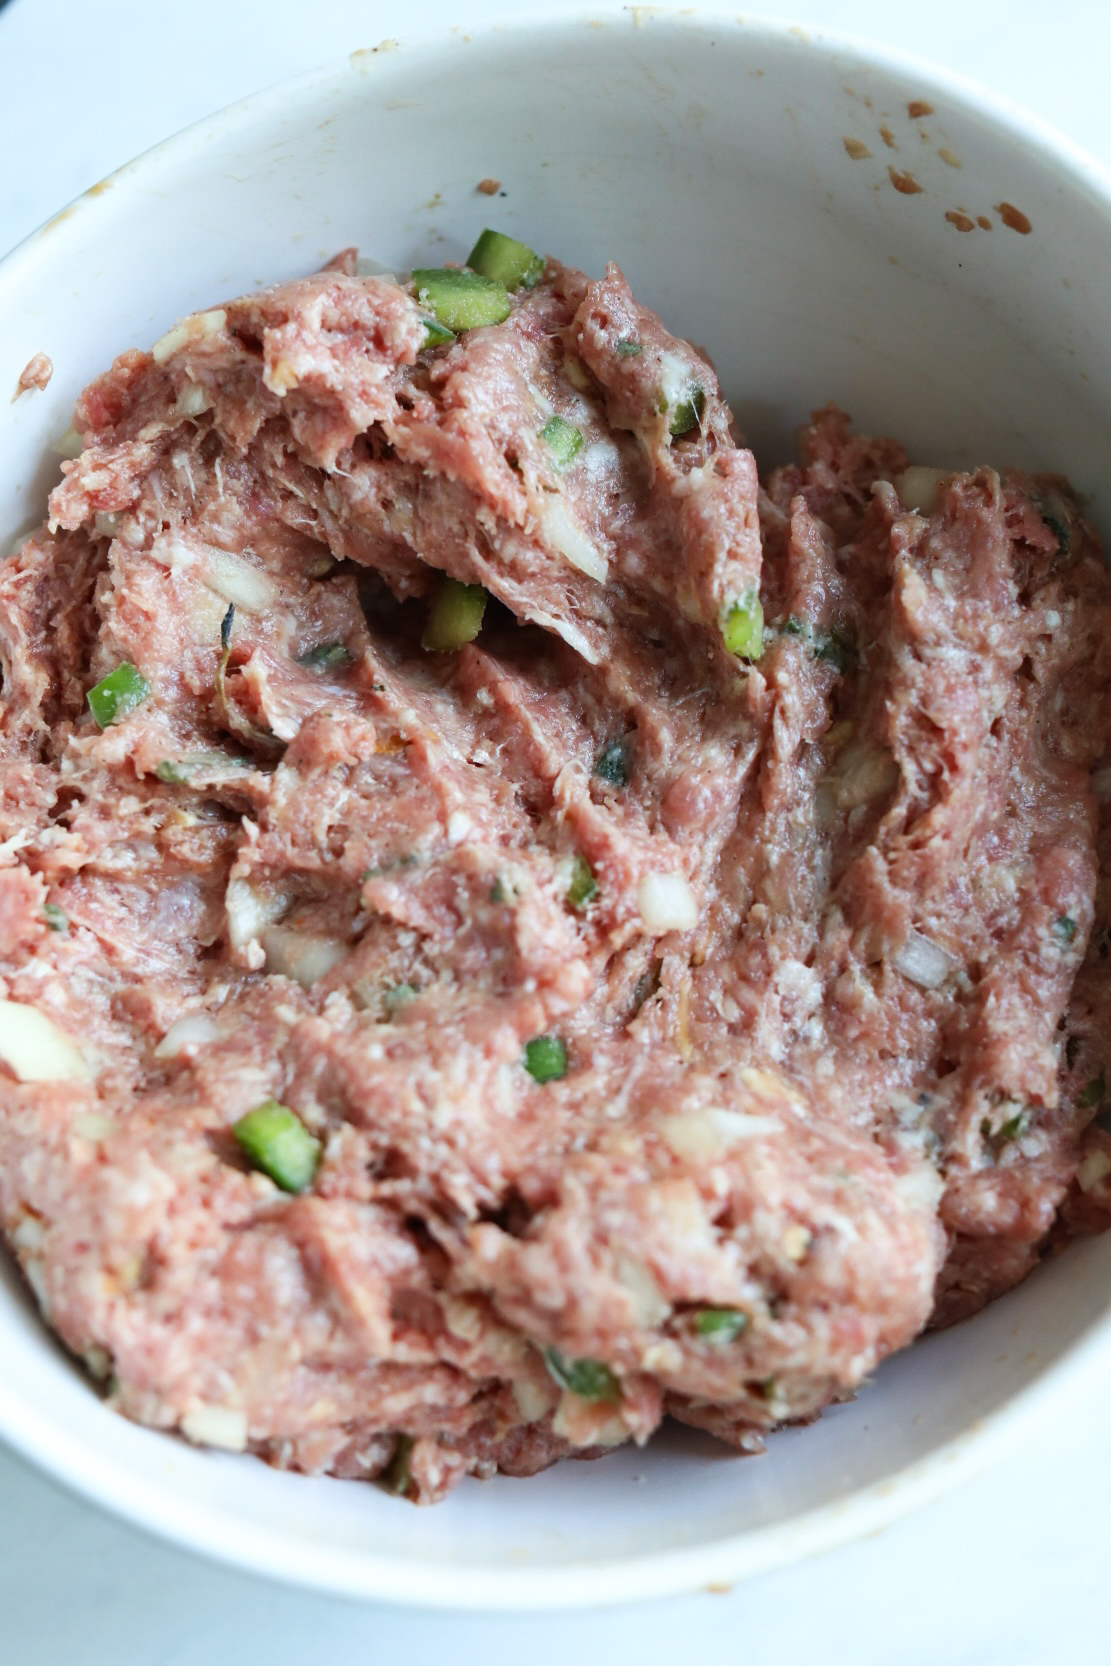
489, 187
888, 137
961, 221
1014, 218
918, 107
857, 149
906, 183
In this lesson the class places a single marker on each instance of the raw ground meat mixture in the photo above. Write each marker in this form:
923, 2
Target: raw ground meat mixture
804, 917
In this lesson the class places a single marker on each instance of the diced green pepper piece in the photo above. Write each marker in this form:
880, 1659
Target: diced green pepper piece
277, 1142
1064, 929
627, 348
546, 1058
56, 918
455, 616
688, 413
1093, 1094
564, 440
612, 763
743, 627
461, 300
583, 886
178, 772
435, 334
117, 695
506, 261
591, 1379
398, 1475
326, 656
720, 1324
397, 996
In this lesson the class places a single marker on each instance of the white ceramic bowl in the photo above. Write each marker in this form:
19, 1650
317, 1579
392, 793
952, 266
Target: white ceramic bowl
708, 156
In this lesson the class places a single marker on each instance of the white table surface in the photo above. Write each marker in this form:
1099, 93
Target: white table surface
1011, 1571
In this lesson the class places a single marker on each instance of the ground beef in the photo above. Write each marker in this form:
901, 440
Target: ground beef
817, 914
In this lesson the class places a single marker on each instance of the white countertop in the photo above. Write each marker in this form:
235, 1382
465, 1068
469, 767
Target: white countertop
1011, 1571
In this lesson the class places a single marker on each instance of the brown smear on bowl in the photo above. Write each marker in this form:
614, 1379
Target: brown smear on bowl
963, 222
904, 182
983, 221
857, 149
919, 107
1014, 218
489, 187
888, 137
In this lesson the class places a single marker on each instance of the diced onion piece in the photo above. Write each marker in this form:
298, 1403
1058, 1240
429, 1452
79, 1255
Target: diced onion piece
220, 1426
918, 487
193, 1030
248, 912
35, 1049
238, 581
704, 1135
567, 537
106, 523
198, 327
924, 962
70, 445
667, 902
864, 773
191, 401
1093, 1170
301, 955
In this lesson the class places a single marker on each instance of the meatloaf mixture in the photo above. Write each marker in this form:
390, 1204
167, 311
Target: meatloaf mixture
511, 929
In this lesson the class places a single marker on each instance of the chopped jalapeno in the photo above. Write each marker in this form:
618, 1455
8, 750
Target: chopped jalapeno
546, 1058
1015, 1126
506, 260
583, 886
56, 918
743, 629
720, 1324
461, 300
276, 1141
688, 413
835, 649
1064, 929
564, 440
326, 656
435, 334
591, 1379
117, 695
627, 348
455, 616
612, 763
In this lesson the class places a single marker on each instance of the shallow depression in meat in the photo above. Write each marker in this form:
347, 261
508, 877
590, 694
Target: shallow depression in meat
510, 927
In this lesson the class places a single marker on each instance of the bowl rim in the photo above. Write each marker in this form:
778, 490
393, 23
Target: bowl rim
148, 1503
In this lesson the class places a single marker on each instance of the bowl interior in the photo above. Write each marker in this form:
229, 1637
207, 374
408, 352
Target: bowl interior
723, 165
